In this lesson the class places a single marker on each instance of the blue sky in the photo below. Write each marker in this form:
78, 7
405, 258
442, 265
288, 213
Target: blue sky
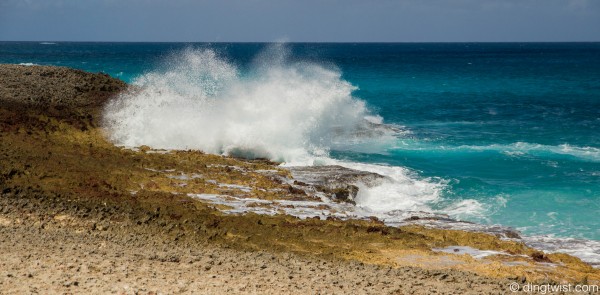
299, 21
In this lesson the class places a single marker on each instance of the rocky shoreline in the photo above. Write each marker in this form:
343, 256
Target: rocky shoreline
157, 221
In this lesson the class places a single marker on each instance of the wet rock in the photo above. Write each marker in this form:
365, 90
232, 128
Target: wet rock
339, 183
345, 194
512, 234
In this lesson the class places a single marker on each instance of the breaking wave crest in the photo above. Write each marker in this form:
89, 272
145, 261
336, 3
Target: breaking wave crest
583, 153
520, 148
279, 110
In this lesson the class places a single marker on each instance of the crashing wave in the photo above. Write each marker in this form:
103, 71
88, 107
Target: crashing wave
282, 111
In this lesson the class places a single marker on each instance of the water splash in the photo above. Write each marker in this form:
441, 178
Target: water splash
281, 110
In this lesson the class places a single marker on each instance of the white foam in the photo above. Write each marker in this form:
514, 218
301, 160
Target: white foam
586, 250
475, 253
243, 188
376, 119
301, 209
27, 64
403, 191
465, 209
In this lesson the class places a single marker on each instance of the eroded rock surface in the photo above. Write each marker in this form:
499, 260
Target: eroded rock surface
48, 86
339, 182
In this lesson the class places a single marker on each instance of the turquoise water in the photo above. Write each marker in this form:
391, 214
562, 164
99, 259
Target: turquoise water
514, 127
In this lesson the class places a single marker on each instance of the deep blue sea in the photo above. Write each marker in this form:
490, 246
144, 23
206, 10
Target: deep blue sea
510, 131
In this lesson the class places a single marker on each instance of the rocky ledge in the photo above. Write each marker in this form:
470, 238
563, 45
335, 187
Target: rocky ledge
337, 182
46, 86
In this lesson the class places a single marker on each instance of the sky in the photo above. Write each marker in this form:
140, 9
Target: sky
300, 20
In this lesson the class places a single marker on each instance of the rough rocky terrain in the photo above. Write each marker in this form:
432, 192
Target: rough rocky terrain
56, 257
79, 215
55, 86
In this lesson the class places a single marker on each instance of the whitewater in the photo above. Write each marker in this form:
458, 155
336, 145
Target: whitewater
281, 112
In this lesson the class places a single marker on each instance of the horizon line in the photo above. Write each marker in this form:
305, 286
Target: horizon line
303, 42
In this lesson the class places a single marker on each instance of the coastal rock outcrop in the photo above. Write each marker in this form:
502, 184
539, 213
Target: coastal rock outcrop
31, 95
340, 183
49, 86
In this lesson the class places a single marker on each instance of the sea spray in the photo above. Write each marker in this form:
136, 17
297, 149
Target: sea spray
282, 111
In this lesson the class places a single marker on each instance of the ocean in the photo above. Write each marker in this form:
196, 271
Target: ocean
492, 133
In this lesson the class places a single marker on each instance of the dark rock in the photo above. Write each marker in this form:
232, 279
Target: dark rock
339, 183
540, 257
345, 194
512, 234
297, 191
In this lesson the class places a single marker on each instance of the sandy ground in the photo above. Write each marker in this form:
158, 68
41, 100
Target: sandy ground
39, 260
